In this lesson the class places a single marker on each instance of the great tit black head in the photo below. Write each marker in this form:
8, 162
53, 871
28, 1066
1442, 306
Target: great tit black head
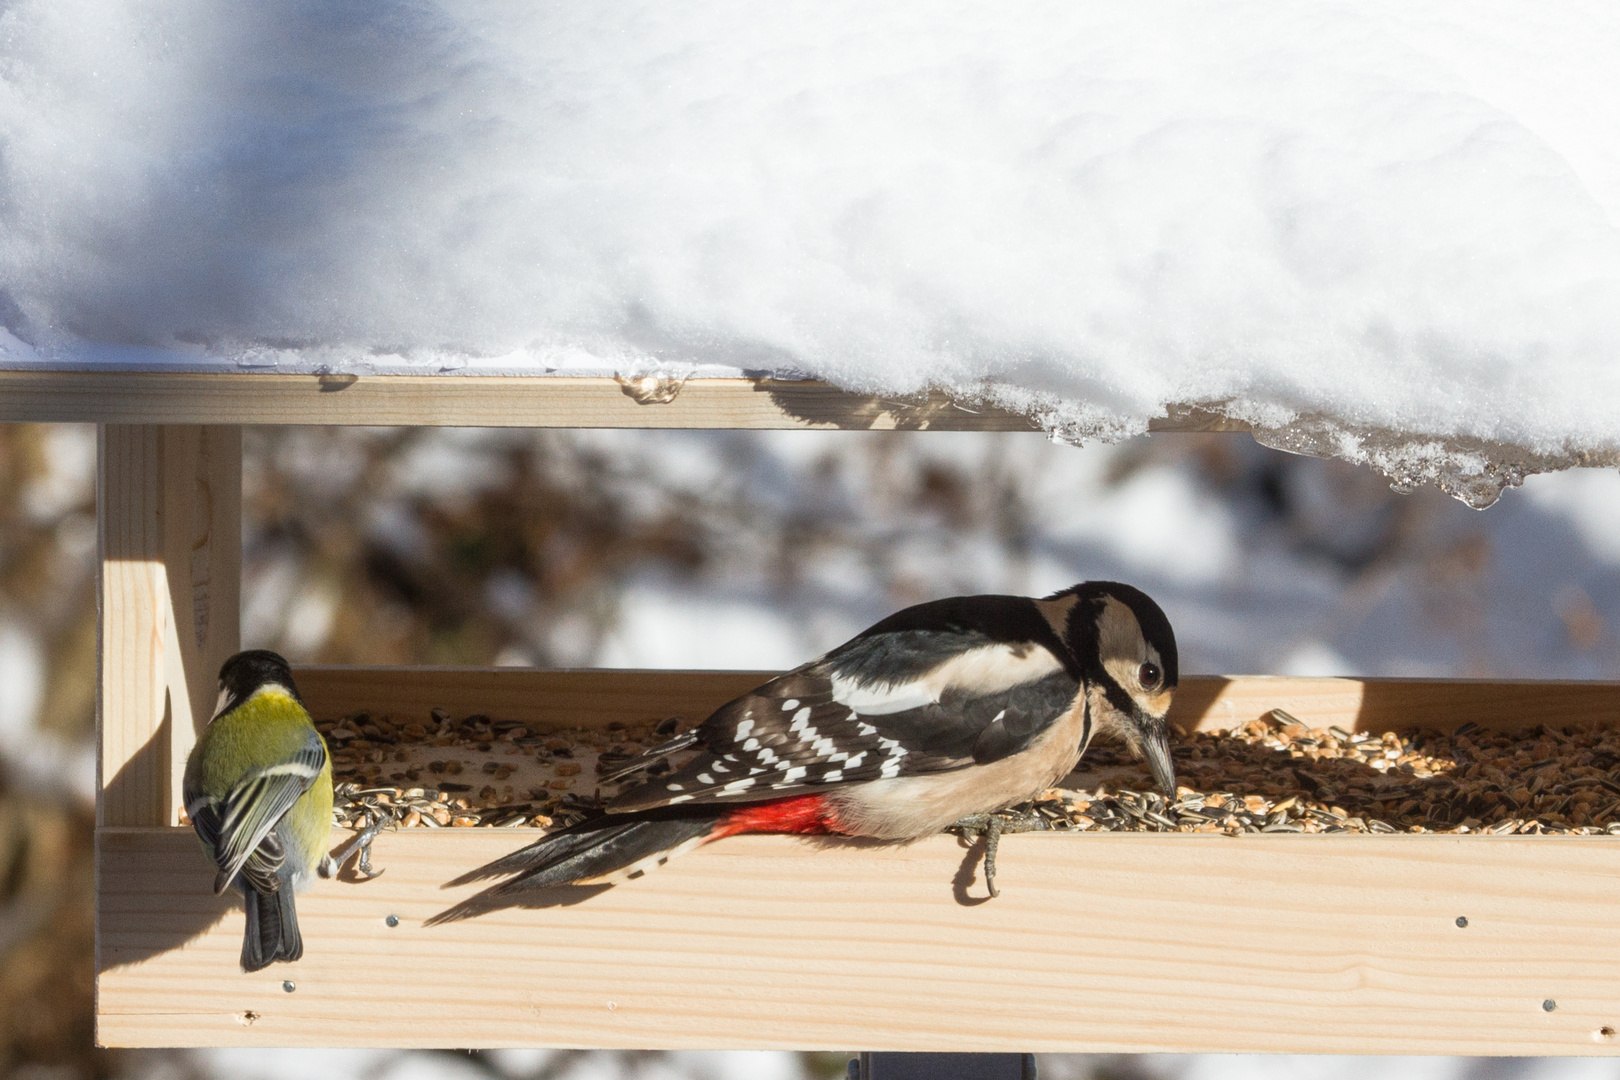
247, 672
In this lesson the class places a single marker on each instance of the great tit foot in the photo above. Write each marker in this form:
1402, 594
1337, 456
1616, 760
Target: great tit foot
362, 841
991, 826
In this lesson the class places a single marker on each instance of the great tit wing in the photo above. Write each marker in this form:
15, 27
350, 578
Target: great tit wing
254, 806
264, 864
894, 702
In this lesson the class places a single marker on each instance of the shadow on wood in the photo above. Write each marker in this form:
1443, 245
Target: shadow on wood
138, 793
162, 887
1399, 704
539, 899
492, 900
966, 876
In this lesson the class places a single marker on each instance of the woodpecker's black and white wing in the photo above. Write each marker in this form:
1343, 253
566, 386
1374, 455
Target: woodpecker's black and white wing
940, 686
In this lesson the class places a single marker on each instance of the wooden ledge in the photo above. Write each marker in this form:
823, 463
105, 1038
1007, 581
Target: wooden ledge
121, 397
1117, 943
597, 697
1122, 942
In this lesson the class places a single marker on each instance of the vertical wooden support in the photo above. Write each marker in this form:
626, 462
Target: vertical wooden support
169, 507
130, 698
202, 537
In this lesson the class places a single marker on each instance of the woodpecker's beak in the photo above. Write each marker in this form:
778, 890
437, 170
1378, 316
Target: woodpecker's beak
1156, 749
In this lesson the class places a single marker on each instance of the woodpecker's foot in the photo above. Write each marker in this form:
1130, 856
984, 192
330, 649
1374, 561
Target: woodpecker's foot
991, 826
361, 840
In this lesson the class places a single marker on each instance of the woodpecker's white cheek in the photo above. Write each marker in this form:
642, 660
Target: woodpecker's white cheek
1106, 718
1126, 674
1123, 669
1123, 652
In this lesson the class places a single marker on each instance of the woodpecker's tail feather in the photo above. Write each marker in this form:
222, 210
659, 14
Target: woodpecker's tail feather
596, 846
680, 742
271, 933
585, 853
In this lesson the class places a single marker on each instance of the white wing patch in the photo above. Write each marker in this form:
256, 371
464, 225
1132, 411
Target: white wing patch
292, 768
989, 669
882, 700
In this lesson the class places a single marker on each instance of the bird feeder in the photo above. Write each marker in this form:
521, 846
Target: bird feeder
1099, 942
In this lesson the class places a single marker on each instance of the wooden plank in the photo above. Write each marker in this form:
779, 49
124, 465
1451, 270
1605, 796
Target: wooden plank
202, 555
492, 401
582, 698
1218, 703
1116, 943
133, 597
169, 513
595, 698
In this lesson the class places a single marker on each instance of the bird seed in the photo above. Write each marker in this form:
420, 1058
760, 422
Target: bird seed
1271, 775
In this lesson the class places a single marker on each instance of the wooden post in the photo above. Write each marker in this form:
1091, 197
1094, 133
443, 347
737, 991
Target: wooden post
169, 508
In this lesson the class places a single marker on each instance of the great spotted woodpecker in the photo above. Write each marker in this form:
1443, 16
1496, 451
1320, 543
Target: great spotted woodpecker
940, 714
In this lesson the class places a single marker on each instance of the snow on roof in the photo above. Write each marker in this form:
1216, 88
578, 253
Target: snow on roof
1385, 231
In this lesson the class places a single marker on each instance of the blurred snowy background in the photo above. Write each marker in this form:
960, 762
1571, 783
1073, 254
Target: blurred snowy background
754, 550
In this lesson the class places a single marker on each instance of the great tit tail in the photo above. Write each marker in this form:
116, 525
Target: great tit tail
271, 933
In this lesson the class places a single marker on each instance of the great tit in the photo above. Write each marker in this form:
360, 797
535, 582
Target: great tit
258, 789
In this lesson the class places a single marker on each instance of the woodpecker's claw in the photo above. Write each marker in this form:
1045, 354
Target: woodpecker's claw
361, 840
991, 826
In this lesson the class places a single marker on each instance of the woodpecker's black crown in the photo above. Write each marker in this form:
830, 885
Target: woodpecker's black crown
245, 672
1155, 625
1150, 617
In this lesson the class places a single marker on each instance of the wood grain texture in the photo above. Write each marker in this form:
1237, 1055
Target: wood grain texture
492, 401
134, 621
1218, 703
595, 698
169, 513
202, 559
580, 698
1308, 944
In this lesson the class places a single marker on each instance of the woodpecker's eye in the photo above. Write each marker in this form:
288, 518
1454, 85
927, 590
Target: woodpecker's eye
1148, 675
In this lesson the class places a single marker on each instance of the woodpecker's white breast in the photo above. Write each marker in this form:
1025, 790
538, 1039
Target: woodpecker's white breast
904, 807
